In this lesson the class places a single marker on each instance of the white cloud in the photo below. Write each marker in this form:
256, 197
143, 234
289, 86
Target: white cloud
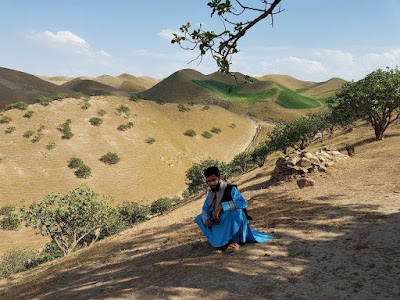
68, 41
60, 38
390, 58
335, 56
167, 34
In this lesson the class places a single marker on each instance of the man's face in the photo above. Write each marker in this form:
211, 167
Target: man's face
213, 182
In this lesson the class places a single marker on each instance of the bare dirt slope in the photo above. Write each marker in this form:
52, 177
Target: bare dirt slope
338, 240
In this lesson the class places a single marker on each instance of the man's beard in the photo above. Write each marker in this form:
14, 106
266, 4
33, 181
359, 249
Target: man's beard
216, 188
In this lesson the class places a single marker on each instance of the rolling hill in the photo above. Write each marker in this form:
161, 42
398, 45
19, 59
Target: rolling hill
336, 240
91, 87
16, 86
29, 170
275, 97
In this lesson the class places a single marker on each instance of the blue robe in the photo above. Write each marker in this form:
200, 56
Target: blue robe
233, 225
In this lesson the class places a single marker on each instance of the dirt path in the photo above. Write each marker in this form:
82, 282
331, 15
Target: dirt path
338, 240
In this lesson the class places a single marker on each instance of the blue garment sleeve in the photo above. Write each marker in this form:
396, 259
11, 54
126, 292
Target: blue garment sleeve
238, 202
204, 213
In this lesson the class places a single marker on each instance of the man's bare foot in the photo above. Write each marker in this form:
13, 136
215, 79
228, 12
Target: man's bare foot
232, 247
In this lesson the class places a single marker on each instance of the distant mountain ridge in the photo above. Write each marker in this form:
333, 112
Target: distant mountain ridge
261, 97
18, 86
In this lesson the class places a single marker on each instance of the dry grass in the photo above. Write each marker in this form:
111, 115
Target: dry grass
338, 240
145, 172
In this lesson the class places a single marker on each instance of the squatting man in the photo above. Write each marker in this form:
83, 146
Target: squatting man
224, 219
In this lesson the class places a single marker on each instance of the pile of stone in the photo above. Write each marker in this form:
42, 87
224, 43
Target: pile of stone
299, 163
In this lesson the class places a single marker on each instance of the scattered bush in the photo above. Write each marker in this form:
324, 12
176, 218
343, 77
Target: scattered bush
101, 112
110, 158
207, 135
150, 140
126, 126
10, 129
45, 101
132, 212
83, 171
183, 108
15, 261
205, 107
95, 121
123, 110
190, 133
85, 104
215, 130
51, 145
65, 129
75, 162
60, 96
28, 114
19, 105
161, 205
233, 125
9, 220
133, 98
5, 120
27, 134
37, 137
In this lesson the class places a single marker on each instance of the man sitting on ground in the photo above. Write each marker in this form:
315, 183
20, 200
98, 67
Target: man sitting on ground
224, 220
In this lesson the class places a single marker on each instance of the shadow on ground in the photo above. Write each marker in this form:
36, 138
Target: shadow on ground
356, 256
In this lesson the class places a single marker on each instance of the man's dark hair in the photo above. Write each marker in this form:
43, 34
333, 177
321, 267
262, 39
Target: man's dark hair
211, 171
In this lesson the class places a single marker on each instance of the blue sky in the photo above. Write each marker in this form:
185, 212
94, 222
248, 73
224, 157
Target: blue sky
311, 39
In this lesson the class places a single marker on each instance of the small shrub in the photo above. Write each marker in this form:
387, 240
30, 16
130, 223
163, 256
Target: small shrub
161, 205
5, 120
10, 129
37, 137
133, 98
75, 162
183, 108
110, 158
65, 129
19, 105
15, 261
85, 105
190, 133
215, 130
51, 145
41, 128
233, 125
83, 171
207, 135
132, 212
27, 134
123, 110
150, 140
60, 96
45, 101
28, 114
101, 112
9, 220
95, 121
205, 107
126, 126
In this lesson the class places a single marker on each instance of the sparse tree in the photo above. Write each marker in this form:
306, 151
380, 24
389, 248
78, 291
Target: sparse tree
69, 219
237, 18
375, 98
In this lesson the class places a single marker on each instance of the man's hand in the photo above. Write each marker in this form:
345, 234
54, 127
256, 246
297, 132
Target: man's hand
208, 223
217, 212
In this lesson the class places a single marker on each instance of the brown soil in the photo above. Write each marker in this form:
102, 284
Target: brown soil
337, 240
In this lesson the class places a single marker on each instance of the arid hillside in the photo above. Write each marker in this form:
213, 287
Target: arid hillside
146, 171
336, 240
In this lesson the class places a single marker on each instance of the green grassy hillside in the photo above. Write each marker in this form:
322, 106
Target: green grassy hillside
293, 100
